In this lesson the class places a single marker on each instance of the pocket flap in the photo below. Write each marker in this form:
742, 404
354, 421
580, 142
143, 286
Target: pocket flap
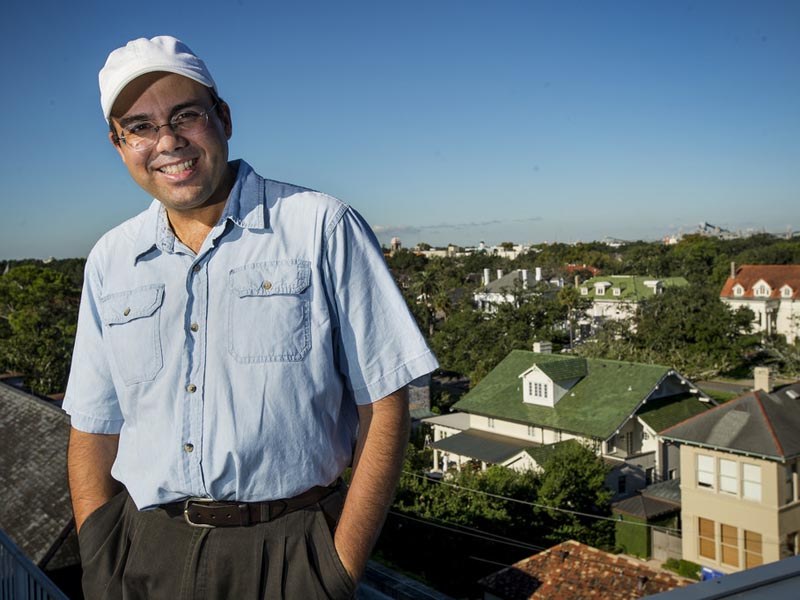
271, 278
123, 307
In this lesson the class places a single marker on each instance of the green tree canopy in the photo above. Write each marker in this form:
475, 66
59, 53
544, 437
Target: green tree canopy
38, 318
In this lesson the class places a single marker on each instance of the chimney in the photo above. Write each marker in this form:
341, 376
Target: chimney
487, 276
499, 273
538, 273
762, 380
577, 281
733, 270
523, 273
543, 347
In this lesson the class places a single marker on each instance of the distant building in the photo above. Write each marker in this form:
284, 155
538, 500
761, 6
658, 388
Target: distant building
507, 288
772, 292
617, 296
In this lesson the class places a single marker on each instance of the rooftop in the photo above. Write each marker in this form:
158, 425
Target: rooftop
776, 276
756, 423
36, 512
574, 571
596, 406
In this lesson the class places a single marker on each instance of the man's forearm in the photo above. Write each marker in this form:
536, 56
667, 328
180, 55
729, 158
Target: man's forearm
89, 460
382, 439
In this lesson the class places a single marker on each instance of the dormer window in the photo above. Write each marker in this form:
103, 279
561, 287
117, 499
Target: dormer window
738, 290
584, 291
762, 290
599, 290
617, 291
786, 292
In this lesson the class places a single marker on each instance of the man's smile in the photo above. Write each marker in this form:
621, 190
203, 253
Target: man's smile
178, 168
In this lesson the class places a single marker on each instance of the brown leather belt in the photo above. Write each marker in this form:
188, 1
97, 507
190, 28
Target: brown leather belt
205, 512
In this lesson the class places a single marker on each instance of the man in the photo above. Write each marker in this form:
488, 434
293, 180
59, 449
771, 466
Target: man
240, 343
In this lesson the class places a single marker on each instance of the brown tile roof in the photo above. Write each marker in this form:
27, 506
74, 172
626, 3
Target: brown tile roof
574, 571
776, 276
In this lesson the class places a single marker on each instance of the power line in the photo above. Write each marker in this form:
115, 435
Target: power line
547, 507
464, 530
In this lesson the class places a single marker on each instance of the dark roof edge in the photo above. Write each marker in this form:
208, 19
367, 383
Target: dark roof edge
731, 450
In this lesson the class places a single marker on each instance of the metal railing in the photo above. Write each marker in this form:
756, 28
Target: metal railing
20, 579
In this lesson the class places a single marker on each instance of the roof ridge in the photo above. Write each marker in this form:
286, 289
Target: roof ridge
768, 421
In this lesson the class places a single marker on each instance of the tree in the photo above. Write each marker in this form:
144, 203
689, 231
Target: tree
688, 328
573, 479
570, 299
38, 319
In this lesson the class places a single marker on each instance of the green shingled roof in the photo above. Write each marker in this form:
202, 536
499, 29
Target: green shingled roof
563, 370
595, 407
632, 288
666, 412
541, 453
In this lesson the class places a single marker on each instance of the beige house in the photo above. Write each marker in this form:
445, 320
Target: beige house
739, 481
772, 292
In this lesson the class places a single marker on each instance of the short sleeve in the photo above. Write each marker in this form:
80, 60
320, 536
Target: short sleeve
380, 348
90, 399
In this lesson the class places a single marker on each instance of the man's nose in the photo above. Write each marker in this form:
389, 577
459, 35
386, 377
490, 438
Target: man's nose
168, 139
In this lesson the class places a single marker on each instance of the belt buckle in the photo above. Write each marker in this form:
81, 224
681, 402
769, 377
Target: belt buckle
188, 518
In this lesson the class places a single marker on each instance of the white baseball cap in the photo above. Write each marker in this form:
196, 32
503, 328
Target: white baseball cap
141, 56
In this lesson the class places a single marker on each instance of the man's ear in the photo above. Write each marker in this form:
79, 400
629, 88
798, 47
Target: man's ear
224, 112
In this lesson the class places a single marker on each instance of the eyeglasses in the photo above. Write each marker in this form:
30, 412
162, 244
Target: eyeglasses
143, 135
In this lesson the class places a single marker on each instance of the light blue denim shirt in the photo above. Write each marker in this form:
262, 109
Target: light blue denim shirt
234, 374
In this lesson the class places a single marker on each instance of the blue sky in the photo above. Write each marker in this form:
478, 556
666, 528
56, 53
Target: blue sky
440, 121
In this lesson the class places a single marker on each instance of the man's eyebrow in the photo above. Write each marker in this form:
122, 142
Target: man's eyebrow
137, 118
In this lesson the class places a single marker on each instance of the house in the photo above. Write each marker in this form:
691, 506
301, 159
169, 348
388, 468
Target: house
648, 523
533, 400
575, 571
740, 493
772, 292
507, 288
616, 296
36, 512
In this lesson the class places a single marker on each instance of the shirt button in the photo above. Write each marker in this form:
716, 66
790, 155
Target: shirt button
126, 312
197, 268
188, 447
195, 327
267, 285
191, 388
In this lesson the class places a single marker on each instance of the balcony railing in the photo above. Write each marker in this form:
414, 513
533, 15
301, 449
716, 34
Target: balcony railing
20, 579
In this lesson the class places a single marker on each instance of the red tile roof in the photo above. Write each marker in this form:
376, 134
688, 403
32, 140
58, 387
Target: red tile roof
776, 276
574, 571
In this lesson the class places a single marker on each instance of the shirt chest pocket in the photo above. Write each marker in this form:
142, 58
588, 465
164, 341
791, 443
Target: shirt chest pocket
269, 311
131, 326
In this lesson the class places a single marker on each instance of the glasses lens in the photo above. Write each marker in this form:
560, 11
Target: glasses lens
140, 136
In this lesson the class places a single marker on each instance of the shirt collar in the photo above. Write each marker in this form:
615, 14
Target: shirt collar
245, 208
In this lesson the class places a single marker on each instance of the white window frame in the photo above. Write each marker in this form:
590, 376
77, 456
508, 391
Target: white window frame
751, 482
728, 477
706, 471
738, 290
761, 290
584, 291
786, 292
